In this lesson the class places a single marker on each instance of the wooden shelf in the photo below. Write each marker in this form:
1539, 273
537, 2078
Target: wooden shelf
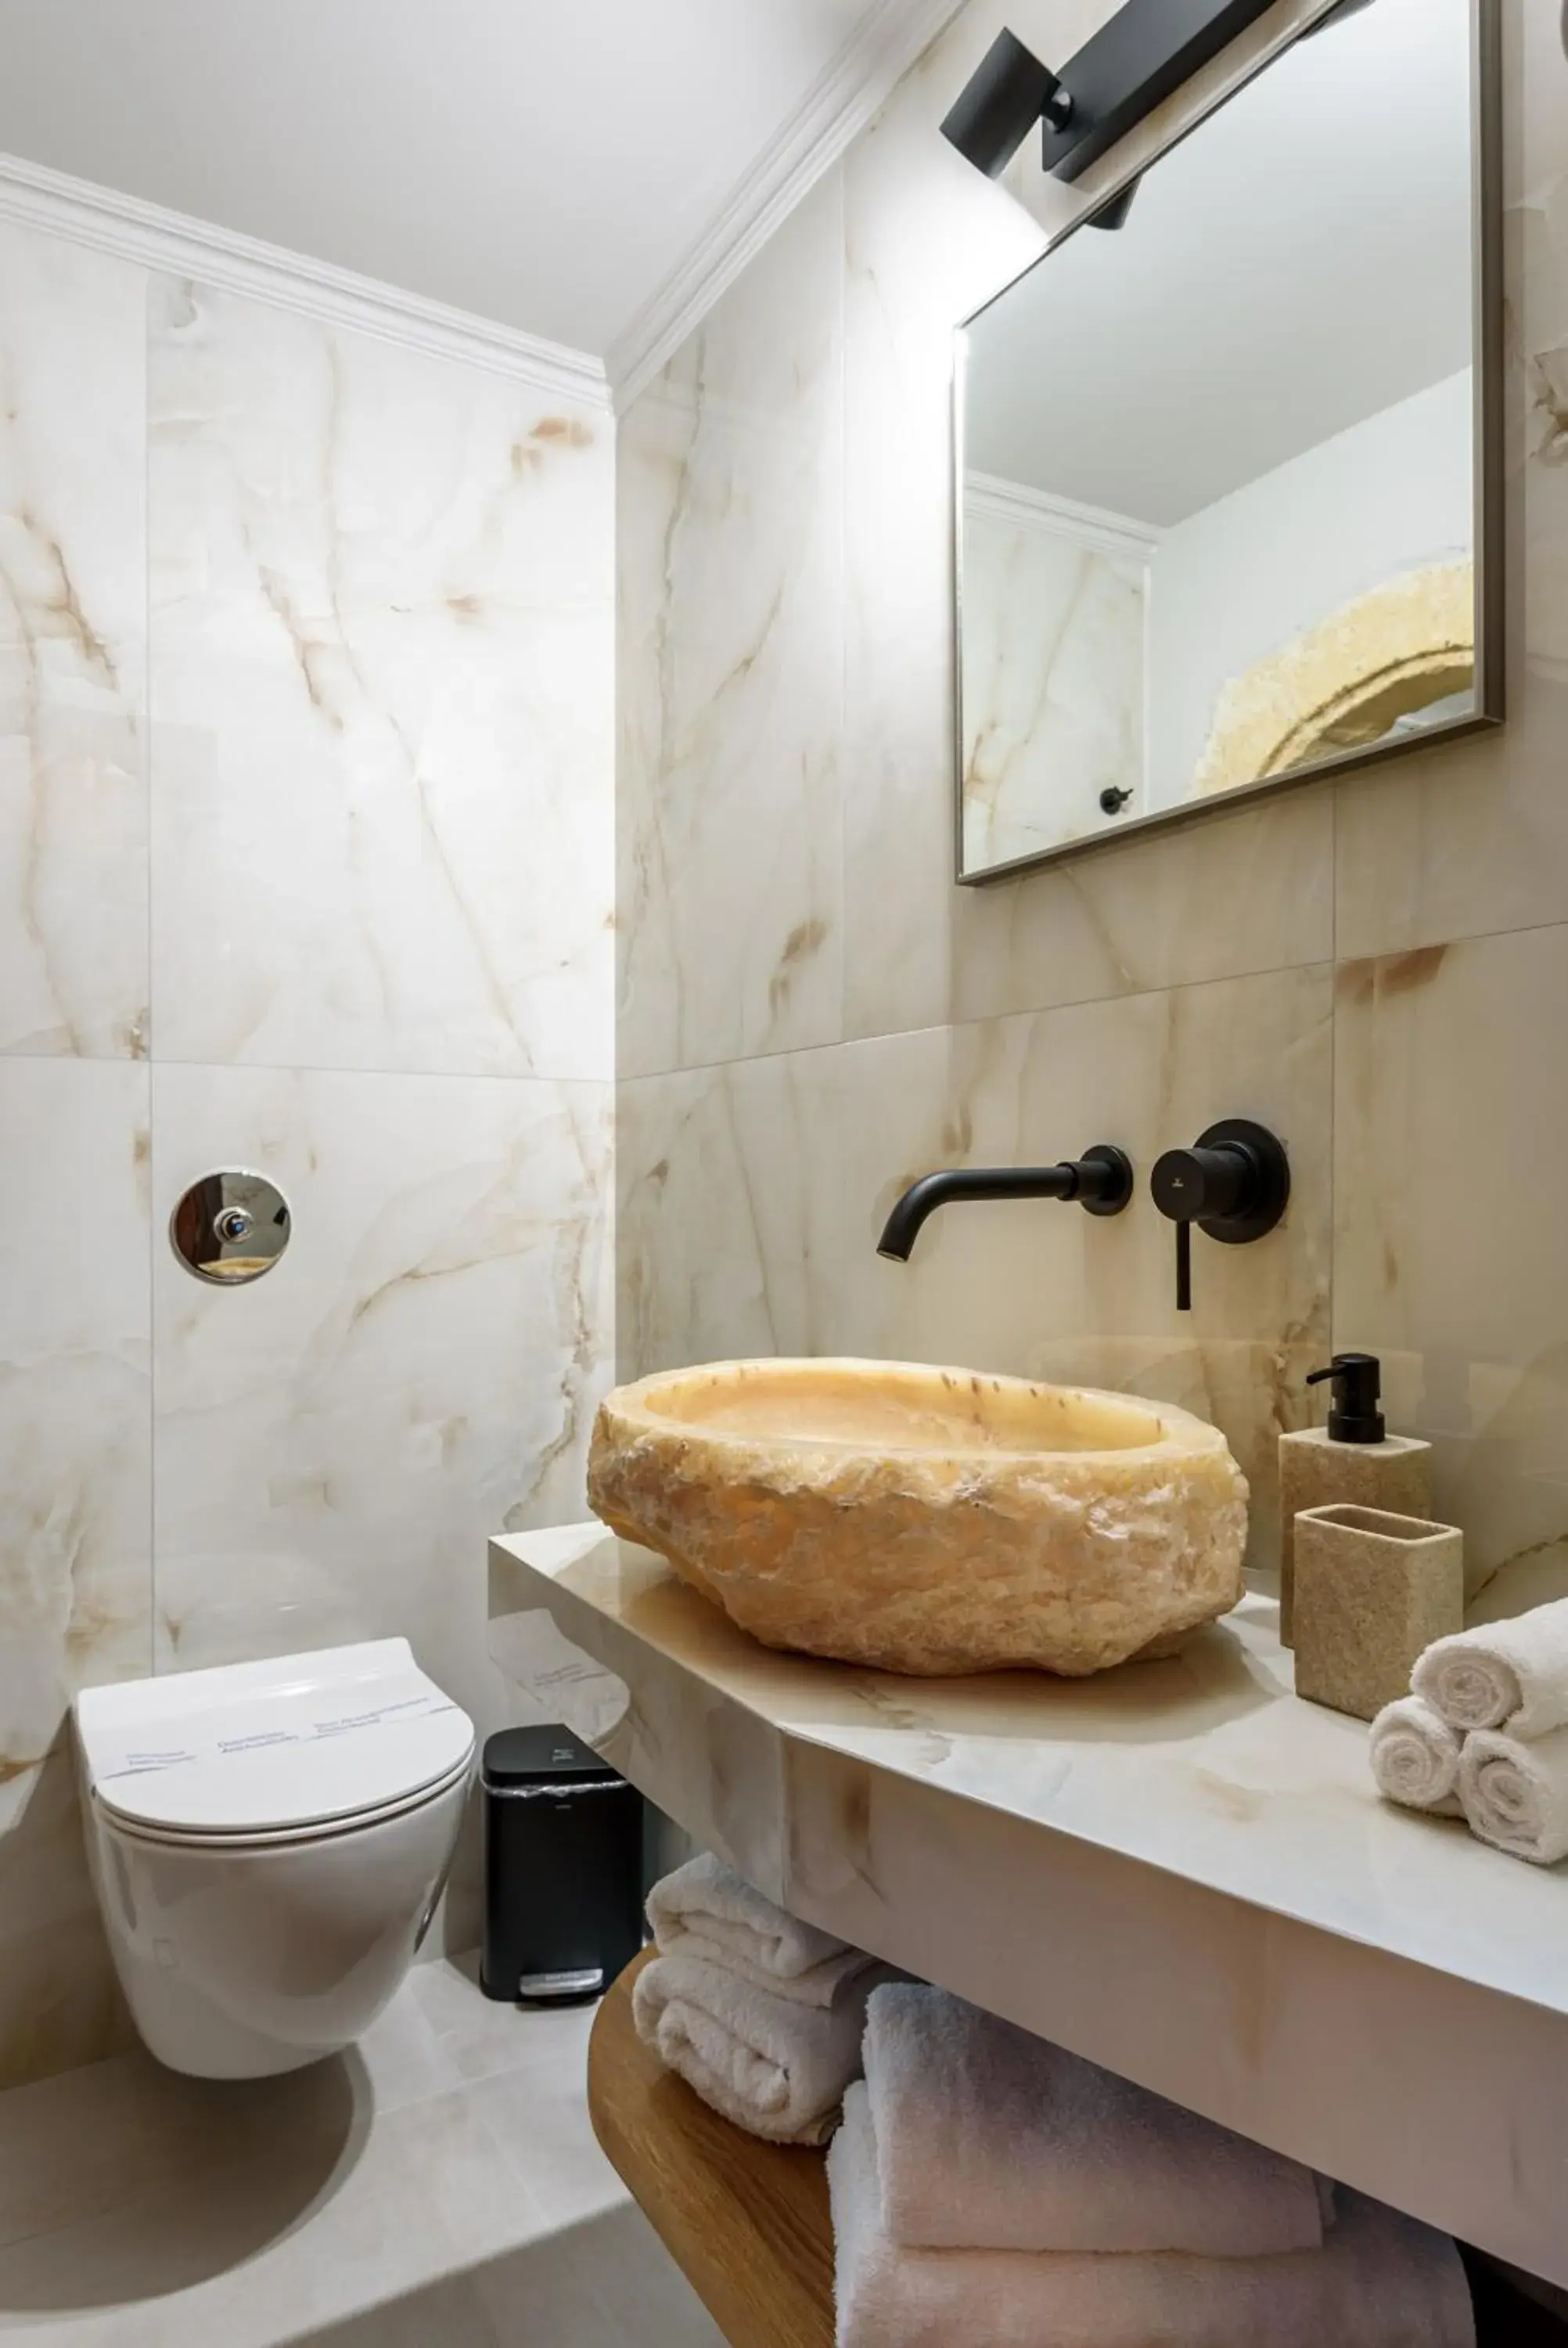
747, 2222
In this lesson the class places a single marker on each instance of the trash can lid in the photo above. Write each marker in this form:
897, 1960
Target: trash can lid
542, 1756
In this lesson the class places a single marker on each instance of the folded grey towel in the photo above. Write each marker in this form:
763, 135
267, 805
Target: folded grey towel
989, 2139
1379, 2281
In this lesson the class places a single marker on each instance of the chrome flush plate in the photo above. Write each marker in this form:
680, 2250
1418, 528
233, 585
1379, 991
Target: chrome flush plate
231, 1227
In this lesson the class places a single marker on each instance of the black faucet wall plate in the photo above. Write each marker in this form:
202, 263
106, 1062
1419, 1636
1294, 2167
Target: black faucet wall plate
1116, 1195
1260, 1205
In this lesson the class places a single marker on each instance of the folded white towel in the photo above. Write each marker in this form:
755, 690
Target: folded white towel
708, 1911
1515, 1795
1415, 1757
991, 2139
1508, 1675
775, 2067
1379, 2281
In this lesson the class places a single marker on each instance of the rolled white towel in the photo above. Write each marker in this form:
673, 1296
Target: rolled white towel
1415, 1756
708, 1911
989, 2139
1510, 1675
1379, 2281
1515, 1795
775, 2067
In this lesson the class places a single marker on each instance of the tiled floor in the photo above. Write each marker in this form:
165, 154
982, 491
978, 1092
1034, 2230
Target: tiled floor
438, 2187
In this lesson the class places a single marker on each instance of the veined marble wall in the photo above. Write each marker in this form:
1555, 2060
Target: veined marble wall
811, 1014
306, 814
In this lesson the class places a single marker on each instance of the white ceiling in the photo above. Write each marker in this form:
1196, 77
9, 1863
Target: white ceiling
544, 163
1302, 262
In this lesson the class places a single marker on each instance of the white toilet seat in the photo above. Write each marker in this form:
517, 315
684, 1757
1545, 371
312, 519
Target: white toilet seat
269, 1842
283, 1838
295, 1745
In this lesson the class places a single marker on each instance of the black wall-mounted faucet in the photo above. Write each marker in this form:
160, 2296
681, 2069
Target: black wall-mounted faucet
1101, 1181
1234, 1183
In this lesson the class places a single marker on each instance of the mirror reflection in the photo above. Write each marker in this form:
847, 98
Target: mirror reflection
1219, 464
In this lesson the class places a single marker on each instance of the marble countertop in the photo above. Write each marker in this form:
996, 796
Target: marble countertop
1179, 1868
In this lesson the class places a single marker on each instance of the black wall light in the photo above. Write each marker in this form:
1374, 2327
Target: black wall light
1002, 103
1148, 49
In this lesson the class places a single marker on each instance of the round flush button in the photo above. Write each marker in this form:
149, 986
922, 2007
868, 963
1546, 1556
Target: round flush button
231, 1227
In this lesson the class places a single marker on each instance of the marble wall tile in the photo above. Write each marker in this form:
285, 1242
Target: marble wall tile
381, 687
335, 1444
75, 1515
60, 2003
1451, 1244
73, 595
1473, 840
731, 1230
1249, 892
73, 1215
730, 619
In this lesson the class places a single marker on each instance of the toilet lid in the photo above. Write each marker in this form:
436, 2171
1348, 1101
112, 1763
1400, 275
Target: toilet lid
299, 1741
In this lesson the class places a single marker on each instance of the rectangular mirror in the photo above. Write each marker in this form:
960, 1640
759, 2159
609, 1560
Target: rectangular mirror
1226, 472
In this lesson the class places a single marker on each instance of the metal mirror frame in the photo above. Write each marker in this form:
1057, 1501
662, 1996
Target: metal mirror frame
1489, 362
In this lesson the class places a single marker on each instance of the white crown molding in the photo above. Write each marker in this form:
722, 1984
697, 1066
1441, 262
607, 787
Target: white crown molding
1021, 506
890, 38
103, 218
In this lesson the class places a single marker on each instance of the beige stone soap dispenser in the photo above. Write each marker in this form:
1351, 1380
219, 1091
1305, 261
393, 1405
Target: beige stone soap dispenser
1354, 1459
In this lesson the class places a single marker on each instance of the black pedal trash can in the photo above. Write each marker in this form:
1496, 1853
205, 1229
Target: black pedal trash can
563, 1868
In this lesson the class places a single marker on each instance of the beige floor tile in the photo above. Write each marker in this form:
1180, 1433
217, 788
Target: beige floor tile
440, 2188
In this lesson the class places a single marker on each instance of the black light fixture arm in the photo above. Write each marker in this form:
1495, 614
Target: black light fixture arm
1101, 1182
1137, 61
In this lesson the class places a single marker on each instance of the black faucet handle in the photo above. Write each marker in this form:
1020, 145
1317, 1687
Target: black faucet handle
1203, 1185
1234, 1183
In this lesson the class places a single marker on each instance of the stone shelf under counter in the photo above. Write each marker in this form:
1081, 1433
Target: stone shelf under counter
1178, 1868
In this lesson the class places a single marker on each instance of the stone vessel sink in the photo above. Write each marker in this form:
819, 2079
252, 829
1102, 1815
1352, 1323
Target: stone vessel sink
927, 1521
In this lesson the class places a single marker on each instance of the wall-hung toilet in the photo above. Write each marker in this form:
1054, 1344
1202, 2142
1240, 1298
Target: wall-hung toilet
268, 1843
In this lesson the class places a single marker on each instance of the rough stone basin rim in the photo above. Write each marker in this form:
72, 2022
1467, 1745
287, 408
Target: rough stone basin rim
927, 1521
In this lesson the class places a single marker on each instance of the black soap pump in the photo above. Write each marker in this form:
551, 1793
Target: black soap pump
1353, 1461
1356, 1383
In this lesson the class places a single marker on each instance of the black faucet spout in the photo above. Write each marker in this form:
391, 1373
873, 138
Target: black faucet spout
1101, 1181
